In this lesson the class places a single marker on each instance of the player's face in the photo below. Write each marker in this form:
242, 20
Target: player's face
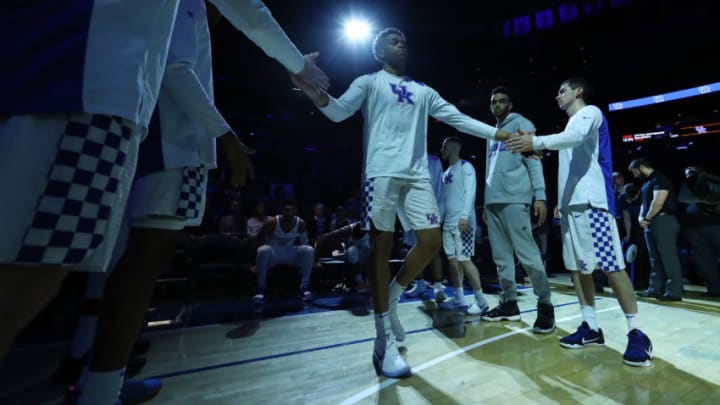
444, 152
566, 96
289, 211
500, 104
637, 173
395, 50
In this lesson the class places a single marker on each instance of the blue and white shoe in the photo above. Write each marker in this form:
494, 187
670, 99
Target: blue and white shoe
583, 337
387, 359
639, 349
419, 290
475, 309
139, 391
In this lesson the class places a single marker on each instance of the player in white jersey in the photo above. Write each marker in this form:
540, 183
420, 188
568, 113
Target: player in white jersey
284, 240
396, 109
459, 227
586, 203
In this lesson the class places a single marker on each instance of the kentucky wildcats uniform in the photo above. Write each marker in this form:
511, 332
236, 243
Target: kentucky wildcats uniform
395, 110
458, 193
585, 192
80, 92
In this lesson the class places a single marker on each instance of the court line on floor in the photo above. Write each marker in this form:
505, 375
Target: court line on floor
314, 349
390, 381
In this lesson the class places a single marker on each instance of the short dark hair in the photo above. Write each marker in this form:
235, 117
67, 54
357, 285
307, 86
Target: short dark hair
576, 82
635, 164
503, 90
379, 40
454, 139
617, 174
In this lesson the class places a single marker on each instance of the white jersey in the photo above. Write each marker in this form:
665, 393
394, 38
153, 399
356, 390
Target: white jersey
280, 238
396, 110
107, 56
585, 161
459, 189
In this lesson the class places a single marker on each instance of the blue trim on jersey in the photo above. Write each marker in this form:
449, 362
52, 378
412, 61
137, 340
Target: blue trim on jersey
43, 56
605, 162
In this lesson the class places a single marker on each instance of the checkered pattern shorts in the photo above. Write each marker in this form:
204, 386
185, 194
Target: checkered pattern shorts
458, 245
69, 175
168, 199
591, 240
410, 200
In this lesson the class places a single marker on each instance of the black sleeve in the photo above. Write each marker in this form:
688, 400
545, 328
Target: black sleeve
662, 182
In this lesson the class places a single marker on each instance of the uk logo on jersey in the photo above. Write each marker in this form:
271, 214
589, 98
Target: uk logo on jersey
402, 93
447, 178
432, 218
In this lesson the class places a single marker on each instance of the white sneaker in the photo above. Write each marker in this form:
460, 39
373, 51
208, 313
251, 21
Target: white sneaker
397, 327
475, 309
387, 359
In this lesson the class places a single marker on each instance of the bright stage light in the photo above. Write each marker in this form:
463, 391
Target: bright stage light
357, 30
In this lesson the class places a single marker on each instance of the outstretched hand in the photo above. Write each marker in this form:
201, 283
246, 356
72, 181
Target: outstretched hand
521, 143
311, 75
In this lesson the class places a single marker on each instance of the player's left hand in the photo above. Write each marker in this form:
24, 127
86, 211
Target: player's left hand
540, 211
237, 155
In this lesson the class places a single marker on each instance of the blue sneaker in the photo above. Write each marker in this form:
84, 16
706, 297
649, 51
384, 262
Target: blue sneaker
306, 294
583, 337
639, 349
139, 391
419, 290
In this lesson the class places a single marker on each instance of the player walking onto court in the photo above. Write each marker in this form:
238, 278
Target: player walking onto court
586, 202
396, 108
512, 182
459, 227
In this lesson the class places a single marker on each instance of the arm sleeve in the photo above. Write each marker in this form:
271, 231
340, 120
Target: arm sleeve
449, 114
183, 85
254, 19
470, 181
341, 108
574, 134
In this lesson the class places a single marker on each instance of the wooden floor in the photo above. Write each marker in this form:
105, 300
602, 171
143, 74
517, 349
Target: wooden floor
325, 358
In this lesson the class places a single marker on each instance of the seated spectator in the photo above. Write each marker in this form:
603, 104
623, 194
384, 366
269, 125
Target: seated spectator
319, 223
356, 244
257, 219
233, 222
340, 218
284, 240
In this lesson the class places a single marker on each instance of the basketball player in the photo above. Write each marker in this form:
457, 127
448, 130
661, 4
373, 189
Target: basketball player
515, 183
586, 202
459, 226
284, 240
396, 108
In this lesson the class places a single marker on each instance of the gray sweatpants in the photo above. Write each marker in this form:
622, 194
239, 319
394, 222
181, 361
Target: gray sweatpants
510, 233
661, 238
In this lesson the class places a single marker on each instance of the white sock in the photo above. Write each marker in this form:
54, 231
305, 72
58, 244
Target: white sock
438, 286
633, 321
396, 291
480, 298
102, 388
382, 324
420, 284
460, 296
590, 317
84, 336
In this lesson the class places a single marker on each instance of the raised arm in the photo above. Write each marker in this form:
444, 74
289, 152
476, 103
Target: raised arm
254, 19
341, 108
449, 114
